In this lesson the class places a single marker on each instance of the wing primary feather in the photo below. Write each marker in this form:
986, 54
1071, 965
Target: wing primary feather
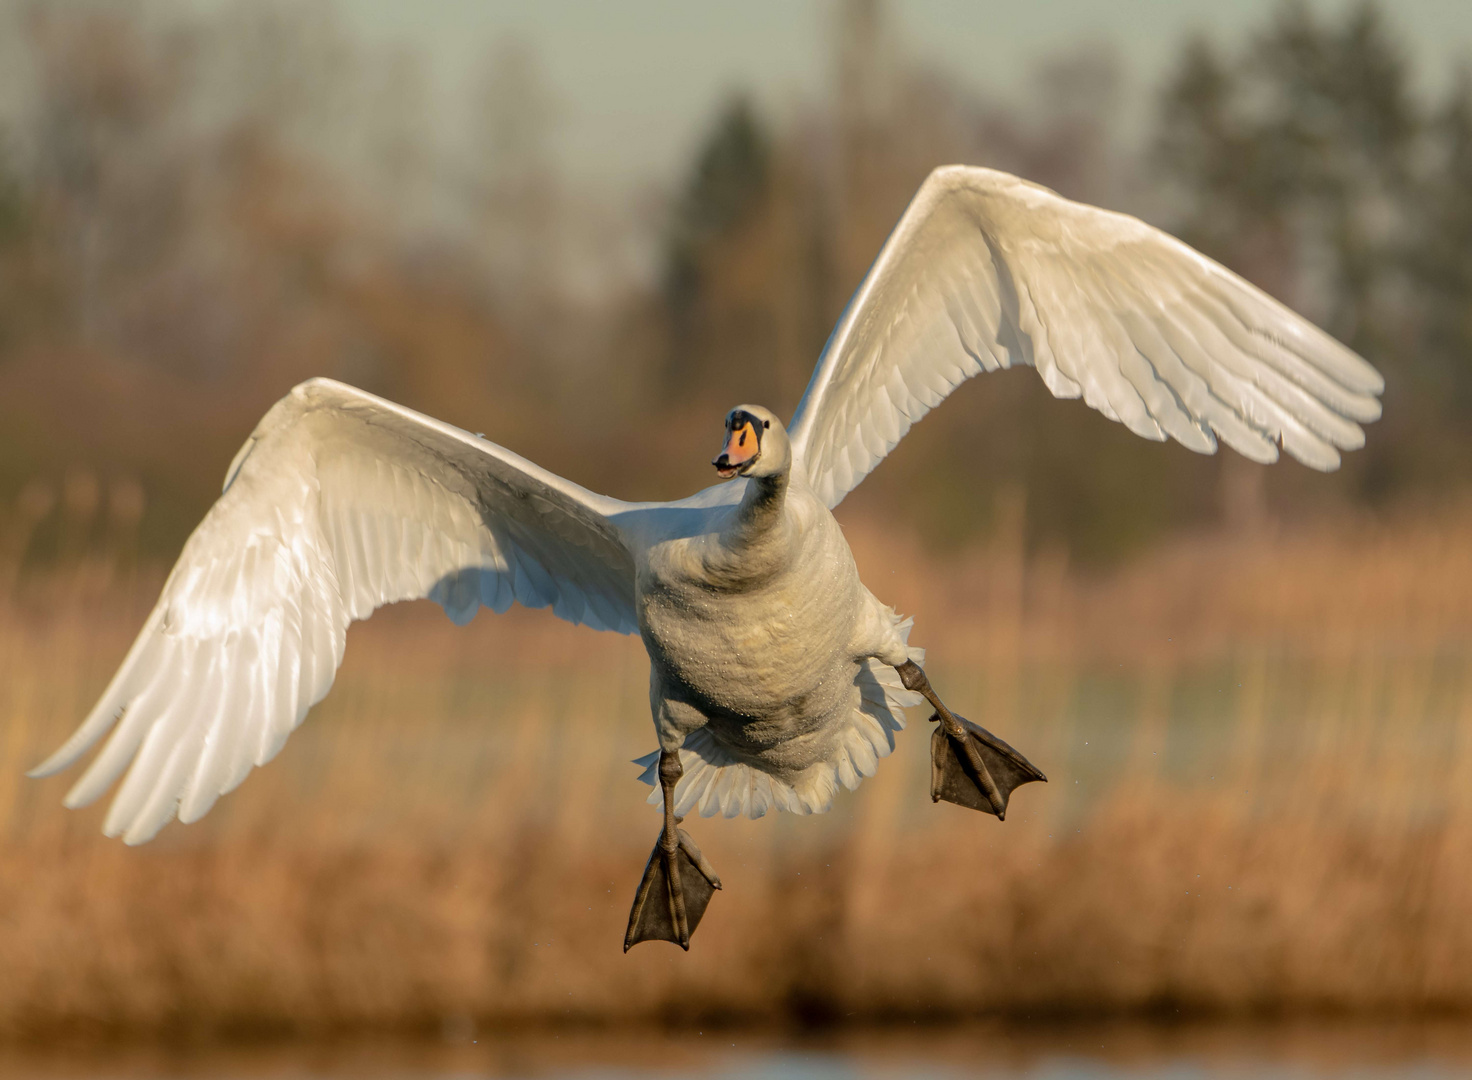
1314, 413
138, 715
271, 729
1259, 311
1291, 430
208, 779
111, 705
246, 701
159, 744
289, 668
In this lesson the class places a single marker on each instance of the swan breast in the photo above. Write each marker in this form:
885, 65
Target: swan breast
769, 648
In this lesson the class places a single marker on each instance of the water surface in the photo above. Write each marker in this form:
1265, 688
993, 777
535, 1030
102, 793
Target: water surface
1345, 1048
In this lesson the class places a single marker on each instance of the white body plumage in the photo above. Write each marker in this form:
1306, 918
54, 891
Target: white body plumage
771, 664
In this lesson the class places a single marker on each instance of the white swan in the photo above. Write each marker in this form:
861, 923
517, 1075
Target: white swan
776, 676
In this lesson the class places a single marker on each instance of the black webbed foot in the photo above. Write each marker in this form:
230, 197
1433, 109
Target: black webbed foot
673, 895
955, 778
678, 880
969, 766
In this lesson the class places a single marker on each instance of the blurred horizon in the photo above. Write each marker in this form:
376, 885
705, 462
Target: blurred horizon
201, 205
636, 84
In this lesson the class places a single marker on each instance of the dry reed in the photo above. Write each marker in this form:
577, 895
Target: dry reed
1260, 753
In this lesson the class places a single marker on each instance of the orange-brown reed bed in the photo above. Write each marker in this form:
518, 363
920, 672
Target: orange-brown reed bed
1260, 754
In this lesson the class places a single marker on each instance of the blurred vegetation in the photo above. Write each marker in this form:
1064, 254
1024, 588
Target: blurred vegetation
199, 210
1259, 805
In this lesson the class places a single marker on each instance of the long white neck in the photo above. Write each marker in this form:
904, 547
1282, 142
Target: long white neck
760, 537
760, 512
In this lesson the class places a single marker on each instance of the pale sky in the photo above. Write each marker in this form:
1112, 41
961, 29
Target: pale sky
637, 80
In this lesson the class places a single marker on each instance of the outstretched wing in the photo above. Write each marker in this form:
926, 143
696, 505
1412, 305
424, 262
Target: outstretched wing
988, 271
338, 503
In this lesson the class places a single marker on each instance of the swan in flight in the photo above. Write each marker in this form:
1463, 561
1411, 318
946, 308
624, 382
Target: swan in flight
776, 677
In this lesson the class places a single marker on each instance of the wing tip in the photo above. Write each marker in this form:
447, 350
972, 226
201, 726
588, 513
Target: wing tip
142, 832
52, 765
1324, 459
79, 797
141, 826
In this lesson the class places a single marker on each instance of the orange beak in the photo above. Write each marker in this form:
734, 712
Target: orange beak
741, 449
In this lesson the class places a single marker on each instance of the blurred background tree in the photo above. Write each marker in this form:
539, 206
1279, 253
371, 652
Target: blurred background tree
1441, 264
1305, 164
728, 184
200, 208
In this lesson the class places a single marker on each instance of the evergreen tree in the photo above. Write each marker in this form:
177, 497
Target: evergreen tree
726, 182
1442, 259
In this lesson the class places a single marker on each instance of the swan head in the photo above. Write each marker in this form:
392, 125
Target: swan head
756, 444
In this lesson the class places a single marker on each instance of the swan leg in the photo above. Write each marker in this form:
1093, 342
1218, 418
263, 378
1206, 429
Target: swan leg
678, 880
969, 766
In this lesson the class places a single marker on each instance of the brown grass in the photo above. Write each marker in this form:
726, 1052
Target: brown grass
1260, 752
